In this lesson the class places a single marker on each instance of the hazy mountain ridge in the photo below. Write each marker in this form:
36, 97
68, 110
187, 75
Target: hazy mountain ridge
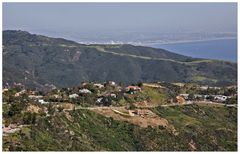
36, 60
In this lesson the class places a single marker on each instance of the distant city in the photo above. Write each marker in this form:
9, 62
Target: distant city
136, 38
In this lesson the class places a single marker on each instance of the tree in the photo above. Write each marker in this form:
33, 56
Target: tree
190, 96
29, 118
120, 84
51, 110
15, 109
60, 108
210, 97
140, 84
132, 106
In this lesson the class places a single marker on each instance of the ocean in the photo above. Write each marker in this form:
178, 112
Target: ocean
224, 49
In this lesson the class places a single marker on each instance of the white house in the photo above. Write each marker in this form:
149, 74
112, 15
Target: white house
99, 100
204, 87
42, 101
220, 98
98, 85
20, 93
85, 91
112, 83
73, 96
35, 96
113, 95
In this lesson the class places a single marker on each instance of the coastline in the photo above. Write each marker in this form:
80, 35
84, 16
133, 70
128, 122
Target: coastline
188, 41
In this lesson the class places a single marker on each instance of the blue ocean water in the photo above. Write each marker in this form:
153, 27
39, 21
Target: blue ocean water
225, 49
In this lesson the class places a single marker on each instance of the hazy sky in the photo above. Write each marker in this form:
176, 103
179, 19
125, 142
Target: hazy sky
117, 17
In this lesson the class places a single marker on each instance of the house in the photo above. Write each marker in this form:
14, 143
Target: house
17, 84
73, 96
85, 91
42, 101
35, 96
216, 88
84, 83
31, 92
20, 93
220, 98
113, 95
133, 89
56, 96
204, 87
4, 90
12, 128
106, 94
98, 85
99, 100
105, 101
111, 83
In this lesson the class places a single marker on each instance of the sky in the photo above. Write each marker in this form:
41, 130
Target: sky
89, 19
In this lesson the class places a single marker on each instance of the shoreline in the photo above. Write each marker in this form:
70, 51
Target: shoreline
189, 41
149, 44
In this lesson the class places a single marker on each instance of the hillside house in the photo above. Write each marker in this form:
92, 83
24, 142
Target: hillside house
56, 96
35, 96
133, 89
84, 83
113, 95
42, 101
4, 90
20, 93
110, 83
103, 101
220, 98
73, 96
204, 87
12, 128
99, 100
197, 96
98, 85
84, 91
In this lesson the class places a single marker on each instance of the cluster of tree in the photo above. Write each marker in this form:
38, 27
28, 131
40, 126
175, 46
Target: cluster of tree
29, 118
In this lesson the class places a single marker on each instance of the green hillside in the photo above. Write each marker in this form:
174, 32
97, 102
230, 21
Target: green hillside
199, 127
36, 60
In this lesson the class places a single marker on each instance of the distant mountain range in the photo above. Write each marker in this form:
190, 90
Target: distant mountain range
36, 60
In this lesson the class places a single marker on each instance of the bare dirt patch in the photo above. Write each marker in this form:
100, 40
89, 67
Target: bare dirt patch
65, 106
146, 104
33, 109
68, 116
143, 121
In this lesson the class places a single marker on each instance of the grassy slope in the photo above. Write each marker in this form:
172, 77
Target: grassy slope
211, 128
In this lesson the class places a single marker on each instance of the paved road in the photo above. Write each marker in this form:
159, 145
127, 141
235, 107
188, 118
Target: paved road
214, 103
201, 102
166, 105
95, 108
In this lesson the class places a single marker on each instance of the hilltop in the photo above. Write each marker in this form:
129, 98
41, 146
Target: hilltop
38, 61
